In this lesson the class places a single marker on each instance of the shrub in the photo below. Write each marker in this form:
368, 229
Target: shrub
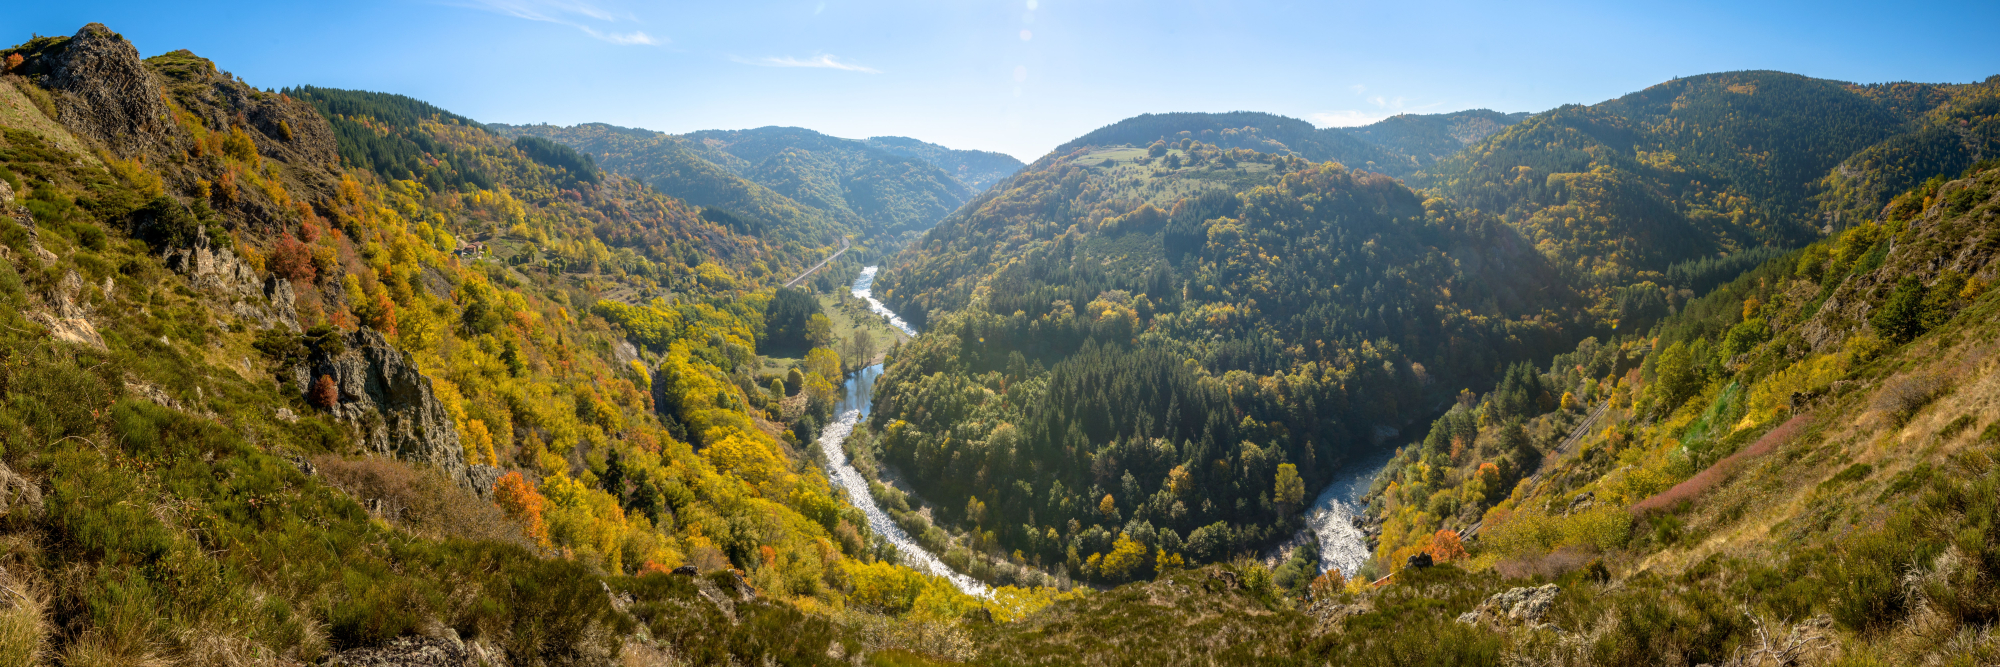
523, 504
324, 392
1903, 397
560, 615
421, 500
293, 261
165, 223
1694, 487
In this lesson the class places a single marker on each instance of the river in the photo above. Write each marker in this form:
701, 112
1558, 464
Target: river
856, 395
1330, 520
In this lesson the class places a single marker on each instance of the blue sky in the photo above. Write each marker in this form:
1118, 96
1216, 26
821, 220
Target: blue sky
1023, 76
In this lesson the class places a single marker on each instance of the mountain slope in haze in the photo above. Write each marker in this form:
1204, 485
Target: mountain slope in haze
1397, 146
1249, 130
262, 401
671, 166
1423, 139
790, 177
978, 170
1121, 346
883, 193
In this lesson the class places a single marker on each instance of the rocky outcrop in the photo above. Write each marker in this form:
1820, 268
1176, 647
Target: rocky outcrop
67, 318
103, 90
443, 651
482, 477
18, 494
382, 394
218, 271
284, 129
1518, 606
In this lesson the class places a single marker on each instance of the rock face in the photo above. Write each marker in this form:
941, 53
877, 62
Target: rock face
1524, 605
219, 271
446, 651
384, 396
103, 90
67, 318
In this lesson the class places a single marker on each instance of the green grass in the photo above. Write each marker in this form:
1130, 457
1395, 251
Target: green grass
849, 316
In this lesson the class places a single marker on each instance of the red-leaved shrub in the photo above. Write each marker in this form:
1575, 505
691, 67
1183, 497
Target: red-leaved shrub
293, 261
1702, 482
324, 392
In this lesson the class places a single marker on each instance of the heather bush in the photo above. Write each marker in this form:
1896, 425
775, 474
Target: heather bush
1901, 398
421, 500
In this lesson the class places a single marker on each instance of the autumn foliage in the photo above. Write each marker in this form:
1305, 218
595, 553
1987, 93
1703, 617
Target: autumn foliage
524, 504
293, 261
324, 392
1445, 545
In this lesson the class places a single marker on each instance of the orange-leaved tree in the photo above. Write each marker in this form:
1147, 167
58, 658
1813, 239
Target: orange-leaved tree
1445, 546
524, 504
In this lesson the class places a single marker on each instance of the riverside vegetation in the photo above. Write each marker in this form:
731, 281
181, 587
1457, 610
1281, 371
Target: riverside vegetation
317, 375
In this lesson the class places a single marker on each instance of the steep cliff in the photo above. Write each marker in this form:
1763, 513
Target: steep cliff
384, 397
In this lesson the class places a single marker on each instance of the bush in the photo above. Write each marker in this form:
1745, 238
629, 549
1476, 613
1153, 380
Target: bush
1903, 397
165, 223
422, 501
560, 614
293, 261
325, 393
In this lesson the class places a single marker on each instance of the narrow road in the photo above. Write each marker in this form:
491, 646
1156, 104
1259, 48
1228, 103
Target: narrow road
844, 245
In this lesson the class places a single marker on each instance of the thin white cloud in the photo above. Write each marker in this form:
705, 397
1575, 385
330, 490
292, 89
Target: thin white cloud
824, 61
570, 13
1384, 108
634, 37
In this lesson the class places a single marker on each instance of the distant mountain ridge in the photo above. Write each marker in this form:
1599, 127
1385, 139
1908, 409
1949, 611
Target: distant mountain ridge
978, 170
788, 176
1426, 138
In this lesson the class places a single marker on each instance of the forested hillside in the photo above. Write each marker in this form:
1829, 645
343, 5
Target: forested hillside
1797, 468
1248, 130
885, 194
882, 189
1948, 128
672, 167
1169, 346
1617, 193
1423, 139
323, 375
1706, 374
978, 170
